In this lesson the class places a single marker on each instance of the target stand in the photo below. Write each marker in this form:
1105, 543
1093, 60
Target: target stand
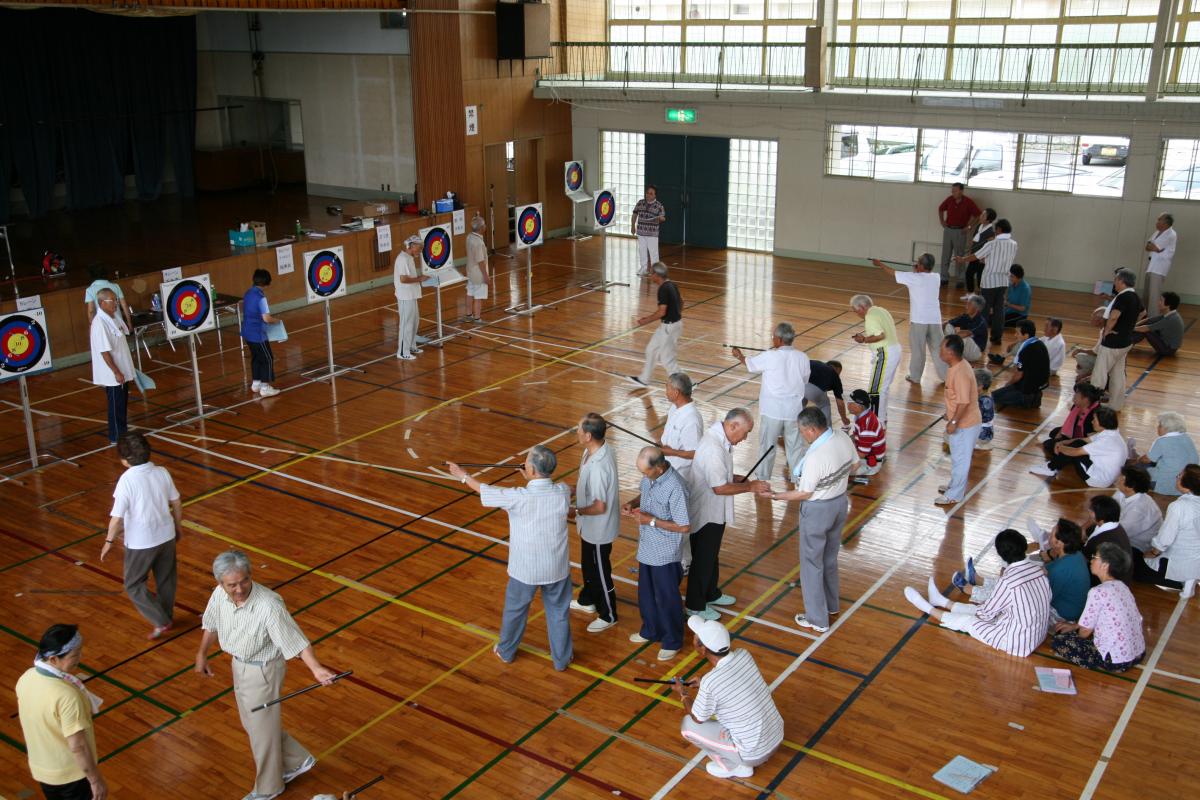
604, 213
25, 351
187, 312
573, 173
201, 410
325, 279
529, 235
331, 370
437, 266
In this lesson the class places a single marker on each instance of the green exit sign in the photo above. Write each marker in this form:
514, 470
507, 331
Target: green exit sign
687, 116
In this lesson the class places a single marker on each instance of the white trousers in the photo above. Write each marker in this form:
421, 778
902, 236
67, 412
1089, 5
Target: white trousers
883, 370
647, 252
410, 316
922, 337
769, 431
960, 617
662, 349
712, 738
971, 350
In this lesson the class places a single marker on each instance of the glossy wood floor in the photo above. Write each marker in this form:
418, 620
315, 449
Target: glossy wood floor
398, 574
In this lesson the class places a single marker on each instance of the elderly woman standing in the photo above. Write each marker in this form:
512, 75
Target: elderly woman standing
1173, 559
56, 718
253, 625
1170, 453
1109, 632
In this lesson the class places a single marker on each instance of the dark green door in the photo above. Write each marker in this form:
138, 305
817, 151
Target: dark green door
666, 160
692, 177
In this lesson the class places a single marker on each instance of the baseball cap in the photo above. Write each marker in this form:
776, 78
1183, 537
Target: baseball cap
410, 241
713, 635
861, 397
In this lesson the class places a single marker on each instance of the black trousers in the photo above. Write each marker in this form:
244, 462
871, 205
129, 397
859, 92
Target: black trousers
1048, 445
1059, 461
1144, 574
79, 790
973, 275
118, 410
704, 577
598, 589
262, 362
995, 311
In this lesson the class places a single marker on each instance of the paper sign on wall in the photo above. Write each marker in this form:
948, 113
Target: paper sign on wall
459, 222
172, 274
284, 263
472, 120
383, 237
29, 303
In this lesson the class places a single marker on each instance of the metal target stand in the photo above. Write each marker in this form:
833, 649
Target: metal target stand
37, 459
201, 410
330, 370
604, 284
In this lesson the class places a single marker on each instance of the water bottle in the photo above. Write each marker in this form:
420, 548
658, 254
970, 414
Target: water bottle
299, 229
156, 303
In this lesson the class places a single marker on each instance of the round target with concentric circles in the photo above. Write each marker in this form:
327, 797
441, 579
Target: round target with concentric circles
325, 273
22, 344
529, 226
436, 248
188, 305
605, 208
574, 176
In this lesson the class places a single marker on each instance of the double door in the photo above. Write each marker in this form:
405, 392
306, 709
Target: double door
691, 174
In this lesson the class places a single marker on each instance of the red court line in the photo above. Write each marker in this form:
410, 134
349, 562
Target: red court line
572, 772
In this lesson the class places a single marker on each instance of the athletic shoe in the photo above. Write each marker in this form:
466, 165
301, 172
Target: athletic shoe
160, 630
803, 622
971, 576
254, 387
995, 358
478, 321
666, 655
959, 581
598, 624
416, 351
404, 357
637, 638
257, 796
707, 613
268, 390
943, 487
740, 771
496, 650
578, 606
724, 600
1043, 470
910, 380
304, 767
943, 500
983, 445
637, 380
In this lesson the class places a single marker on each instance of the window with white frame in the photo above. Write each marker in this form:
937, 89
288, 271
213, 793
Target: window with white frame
752, 168
623, 167
1179, 170
870, 151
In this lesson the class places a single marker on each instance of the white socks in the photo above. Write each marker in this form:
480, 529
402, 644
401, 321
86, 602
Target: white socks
914, 597
936, 597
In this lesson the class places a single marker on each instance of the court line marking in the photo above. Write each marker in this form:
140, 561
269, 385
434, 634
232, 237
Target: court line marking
1174, 675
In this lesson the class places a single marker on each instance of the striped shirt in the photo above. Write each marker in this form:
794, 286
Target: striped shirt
598, 481
260, 630
712, 466
870, 437
647, 216
663, 498
684, 430
537, 529
997, 256
1014, 617
735, 693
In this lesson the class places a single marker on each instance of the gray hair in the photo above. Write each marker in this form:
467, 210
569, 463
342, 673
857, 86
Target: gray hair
682, 383
739, 413
477, 223
106, 293
1167, 218
594, 425
785, 333
861, 301
230, 561
653, 457
1127, 277
977, 301
543, 460
659, 269
813, 418
927, 261
1172, 422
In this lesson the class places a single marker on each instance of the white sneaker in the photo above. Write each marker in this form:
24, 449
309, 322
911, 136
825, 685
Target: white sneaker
416, 351
598, 624
942, 500
983, 445
740, 771
304, 767
1043, 470
268, 390
666, 655
578, 606
254, 387
637, 638
404, 357
804, 622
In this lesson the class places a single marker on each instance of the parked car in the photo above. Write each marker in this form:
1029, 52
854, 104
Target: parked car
1113, 150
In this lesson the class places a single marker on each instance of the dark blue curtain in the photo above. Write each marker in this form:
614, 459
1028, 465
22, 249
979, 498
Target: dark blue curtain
87, 98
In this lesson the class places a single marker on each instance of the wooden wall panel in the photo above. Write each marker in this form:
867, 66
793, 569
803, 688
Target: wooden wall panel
438, 107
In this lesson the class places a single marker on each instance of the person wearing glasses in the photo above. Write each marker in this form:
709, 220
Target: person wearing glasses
1109, 633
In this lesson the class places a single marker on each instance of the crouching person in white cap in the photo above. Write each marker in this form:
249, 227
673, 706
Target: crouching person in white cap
407, 280
747, 728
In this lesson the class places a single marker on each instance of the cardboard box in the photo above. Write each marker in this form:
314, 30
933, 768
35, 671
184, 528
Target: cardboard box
260, 232
372, 208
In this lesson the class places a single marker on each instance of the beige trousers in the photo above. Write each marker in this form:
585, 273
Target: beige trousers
1109, 373
275, 752
661, 350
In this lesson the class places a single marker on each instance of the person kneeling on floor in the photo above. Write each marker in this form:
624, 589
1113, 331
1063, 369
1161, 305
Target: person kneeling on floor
869, 435
748, 727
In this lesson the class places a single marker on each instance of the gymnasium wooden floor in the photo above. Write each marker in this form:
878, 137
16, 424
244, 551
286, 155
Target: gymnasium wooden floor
398, 574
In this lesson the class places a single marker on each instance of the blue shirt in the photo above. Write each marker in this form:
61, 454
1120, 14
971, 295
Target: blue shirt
1069, 585
254, 305
89, 294
664, 498
1170, 455
1022, 295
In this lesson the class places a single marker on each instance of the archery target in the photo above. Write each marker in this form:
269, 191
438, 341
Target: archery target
24, 345
437, 248
529, 226
325, 275
604, 208
573, 176
187, 306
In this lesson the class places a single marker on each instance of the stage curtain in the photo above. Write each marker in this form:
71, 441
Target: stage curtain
88, 98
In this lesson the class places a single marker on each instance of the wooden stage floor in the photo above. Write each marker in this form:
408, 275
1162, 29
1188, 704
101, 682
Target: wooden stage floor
398, 574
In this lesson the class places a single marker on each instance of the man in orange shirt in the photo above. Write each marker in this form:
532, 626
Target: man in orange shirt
962, 419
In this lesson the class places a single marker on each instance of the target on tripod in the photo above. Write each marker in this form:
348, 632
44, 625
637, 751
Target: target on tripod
187, 306
325, 276
24, 347
604, 206
573, 176
529, 226
437, 248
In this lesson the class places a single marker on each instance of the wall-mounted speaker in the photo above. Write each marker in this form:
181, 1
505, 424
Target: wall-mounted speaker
522, 31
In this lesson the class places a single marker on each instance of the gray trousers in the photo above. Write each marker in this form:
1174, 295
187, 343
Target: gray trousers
556, 599
158, 608
662, 349
1153, 288
769, 431
821, 523
410, 318
814, 395
954, 243
275, 751
715, 741
922, 337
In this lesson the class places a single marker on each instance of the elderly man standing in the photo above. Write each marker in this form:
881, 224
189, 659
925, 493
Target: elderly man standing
924, 315
1120, 318
665, 342
661, 511
477, 270
963, 419
406, 279
711, 487
597, 514
1161, 247
252, 625
879, 333
648, 215
685, 425
956, 214
784, 381
112, 363
821, 478
997, 256
537, 553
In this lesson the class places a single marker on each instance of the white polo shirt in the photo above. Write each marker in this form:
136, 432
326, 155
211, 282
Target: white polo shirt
784, 378
1108, 452
683, 431
107, 335
1057, 348
712, 466
405, 266
142, 500
924, 307
1160, 263
827, 467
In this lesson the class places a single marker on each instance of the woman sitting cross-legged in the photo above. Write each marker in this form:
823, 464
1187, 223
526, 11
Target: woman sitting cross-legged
1109, 632
1014, 618
1169, 454
1068, 571
1098, 460
1173, 558
1078, 425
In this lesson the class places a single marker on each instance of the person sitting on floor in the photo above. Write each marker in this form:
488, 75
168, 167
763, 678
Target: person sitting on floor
972, 326
1098, 460
1140, 515
1164, 330
1085, 357
869, 435
1173, 558
1170, 453
1056, 346
1031, 371
1079, 423
987, 409
1068, 571
1019, 298
1013, 618
1104, 525
1109, 632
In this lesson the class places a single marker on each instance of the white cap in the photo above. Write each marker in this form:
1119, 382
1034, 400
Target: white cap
713, 635
410, 241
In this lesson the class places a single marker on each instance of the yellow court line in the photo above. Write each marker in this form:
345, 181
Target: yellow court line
870, 773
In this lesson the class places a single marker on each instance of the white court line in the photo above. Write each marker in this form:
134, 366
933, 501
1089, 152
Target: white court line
1174, 675
786, 629
1131, 704
412, 454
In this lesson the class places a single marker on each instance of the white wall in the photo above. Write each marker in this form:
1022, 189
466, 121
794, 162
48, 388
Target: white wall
1065, 241
353, 82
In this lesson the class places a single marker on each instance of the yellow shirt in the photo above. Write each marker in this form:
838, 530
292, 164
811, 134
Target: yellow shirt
51, 710
879, 320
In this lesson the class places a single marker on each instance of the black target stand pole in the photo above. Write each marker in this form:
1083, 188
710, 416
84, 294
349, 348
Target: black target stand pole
201, 411
332, 370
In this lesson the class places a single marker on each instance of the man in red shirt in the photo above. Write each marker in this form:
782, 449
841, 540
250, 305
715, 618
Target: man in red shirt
957, 214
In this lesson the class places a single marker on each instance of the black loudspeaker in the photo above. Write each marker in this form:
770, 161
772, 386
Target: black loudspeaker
522, 31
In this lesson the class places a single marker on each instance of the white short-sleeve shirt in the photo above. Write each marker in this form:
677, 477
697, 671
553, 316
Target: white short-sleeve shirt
712, 466
827, 467
142, 500
1160, 263
683, 431
107, 335
405, 266
476, 255
784, 377
1108, 452
924, 307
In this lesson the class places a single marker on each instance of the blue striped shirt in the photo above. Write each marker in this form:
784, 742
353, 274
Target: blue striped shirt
537, 529
666, 499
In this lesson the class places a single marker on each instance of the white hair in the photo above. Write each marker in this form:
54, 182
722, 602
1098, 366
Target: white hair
861, 301
659, 269
1172, 422
230, 561
785, 333
477, 223
739, 414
